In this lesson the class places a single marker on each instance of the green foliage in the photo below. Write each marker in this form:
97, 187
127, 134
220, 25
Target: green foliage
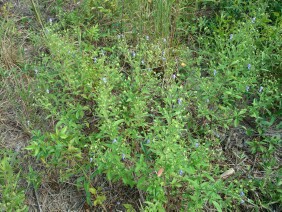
11, 197
148, 112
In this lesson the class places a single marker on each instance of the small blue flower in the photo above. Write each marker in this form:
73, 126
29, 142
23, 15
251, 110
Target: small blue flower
91, 159
114, 141
242, 194
142, 62
208, 100
102, 52
260, 89
214, 72
253, 20
123, 156
249, 66
163, 53
179, 101
133, 54
247, 88
181, 172
173, 76
104, 79
50, 21
147, 141
163, 58
231, 37
95, 59
197, 145
242, 201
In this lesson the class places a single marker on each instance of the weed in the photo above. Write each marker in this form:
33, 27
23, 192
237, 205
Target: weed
191, 126
12, 198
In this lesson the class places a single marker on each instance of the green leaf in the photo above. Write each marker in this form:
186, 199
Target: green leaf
116, 123
93, 191
217, 206
242, 111
99, 200
236, 122
129, 208
234, 62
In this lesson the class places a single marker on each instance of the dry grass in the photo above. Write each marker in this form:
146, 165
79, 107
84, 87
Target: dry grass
52, 196
9, 52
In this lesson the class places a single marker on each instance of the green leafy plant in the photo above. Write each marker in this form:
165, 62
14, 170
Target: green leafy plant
151, 113
12, 198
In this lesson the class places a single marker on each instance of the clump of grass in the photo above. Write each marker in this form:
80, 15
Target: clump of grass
10, 52
12, 198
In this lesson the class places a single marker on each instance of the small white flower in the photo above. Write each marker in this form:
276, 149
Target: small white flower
123, 156
249, 66
231, 36
253, 19
247, 88
95, 59
208, 100
164, 40
260, 89
114, 141
133, 54
173, 76
47, 90
142, 62
50, 21
217, 135
179, 101
147, 37
28, 123
214, 72
104, 79
91, 159
163, 58
36, 71
18, 148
